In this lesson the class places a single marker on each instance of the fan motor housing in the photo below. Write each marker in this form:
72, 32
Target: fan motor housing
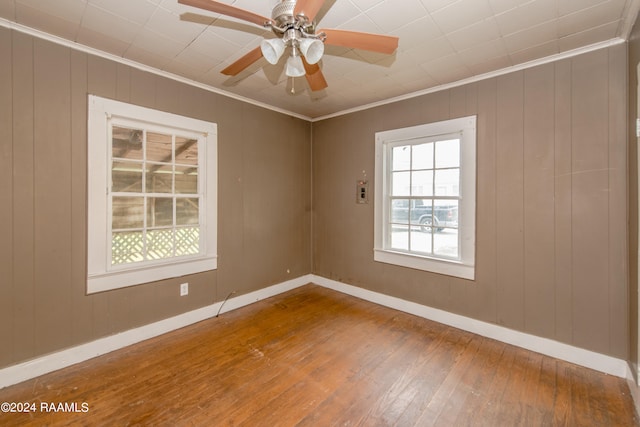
282, 13
284, 20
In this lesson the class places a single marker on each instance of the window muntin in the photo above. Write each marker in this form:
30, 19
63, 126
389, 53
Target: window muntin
154, 197
425, 197
157, 217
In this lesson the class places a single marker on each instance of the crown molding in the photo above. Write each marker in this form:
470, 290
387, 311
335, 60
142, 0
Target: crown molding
480, 77
96, 52
630, 16
633, 11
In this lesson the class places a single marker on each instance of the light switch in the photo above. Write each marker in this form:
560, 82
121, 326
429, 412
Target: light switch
362, 192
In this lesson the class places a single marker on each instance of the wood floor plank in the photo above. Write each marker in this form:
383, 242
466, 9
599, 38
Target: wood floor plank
476, 380
513, 407
299, 366
431, 375
376, 407
315, 357
371, 352
392, 403
439, 412
545, 394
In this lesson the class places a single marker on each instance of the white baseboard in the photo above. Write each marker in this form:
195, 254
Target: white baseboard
61, 359
579, 356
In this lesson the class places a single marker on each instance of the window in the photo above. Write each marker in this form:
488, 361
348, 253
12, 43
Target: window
425, 197
152, 179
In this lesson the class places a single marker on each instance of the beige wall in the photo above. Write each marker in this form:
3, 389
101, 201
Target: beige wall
264, 198
551, 201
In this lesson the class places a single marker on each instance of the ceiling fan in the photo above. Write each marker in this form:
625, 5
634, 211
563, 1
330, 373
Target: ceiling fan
293, 24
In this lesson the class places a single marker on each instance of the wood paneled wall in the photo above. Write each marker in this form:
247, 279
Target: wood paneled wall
551, 245
264, 198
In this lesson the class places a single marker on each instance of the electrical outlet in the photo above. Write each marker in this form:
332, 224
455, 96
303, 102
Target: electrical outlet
184, 289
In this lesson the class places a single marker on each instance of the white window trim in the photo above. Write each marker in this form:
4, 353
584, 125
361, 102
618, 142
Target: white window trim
101, 276
465, 267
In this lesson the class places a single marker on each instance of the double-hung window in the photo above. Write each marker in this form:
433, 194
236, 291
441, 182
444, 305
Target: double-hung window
152, 195
425, 197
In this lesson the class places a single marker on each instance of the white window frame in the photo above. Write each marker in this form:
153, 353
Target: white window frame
464, 267
101, 275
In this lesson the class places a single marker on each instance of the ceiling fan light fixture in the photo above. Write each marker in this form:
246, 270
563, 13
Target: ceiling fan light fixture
295, 67
272, 50
293, 22
312, 50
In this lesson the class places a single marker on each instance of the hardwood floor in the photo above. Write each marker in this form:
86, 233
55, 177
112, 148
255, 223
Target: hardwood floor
315, 357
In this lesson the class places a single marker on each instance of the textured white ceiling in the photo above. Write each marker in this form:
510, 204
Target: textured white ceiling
441, 41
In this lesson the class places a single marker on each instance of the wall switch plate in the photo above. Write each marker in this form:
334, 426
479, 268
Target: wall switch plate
184, 289
362, 192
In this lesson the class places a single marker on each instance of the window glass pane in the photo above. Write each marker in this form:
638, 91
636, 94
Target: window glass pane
187, 241
187, 211
127, 247
159, 211
126, 143
447, 182
127, 212
159, 244
446, 213
400, 184
159, 178
448, 153
421, 241
401, 158
422, 157
186, 180
400, 211
159, 147
422, 183
421, 214
186, 151
445, 243
126, 177
400, 237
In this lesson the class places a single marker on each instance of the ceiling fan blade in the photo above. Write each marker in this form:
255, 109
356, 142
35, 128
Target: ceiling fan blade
366, 41
314, 76
242, 63
308, 8
226, 9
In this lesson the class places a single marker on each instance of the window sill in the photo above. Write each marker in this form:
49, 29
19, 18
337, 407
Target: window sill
446, 267
101, 282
